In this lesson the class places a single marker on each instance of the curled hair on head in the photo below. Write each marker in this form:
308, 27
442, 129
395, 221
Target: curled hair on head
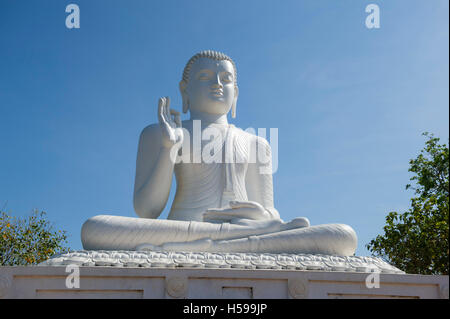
210, 54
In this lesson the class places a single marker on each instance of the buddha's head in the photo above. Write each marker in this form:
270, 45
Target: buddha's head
209, 84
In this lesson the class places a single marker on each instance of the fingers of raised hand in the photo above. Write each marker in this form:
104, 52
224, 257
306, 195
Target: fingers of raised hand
167, 115
161, 109
167, 109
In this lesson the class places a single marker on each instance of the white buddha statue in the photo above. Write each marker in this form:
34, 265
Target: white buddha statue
223, 201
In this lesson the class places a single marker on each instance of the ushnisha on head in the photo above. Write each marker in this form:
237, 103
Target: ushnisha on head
209, 84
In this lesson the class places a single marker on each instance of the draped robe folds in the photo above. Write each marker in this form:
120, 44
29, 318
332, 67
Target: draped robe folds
212, 185
221, 179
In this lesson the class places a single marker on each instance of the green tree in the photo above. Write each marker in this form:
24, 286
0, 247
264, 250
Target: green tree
417, 240
30, 240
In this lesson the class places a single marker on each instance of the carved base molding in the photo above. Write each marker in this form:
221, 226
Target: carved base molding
164, 259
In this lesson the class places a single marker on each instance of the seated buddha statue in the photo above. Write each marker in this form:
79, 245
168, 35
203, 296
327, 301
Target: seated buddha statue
224, 192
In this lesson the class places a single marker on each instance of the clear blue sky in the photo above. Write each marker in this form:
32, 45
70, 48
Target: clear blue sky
350, 103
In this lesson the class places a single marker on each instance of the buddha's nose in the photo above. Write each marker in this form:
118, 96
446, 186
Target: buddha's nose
216, 83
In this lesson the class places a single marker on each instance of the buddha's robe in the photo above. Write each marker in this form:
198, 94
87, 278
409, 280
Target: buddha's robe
201, 186
223, 178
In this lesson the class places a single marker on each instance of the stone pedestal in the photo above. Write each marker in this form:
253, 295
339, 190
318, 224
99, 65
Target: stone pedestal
212, 283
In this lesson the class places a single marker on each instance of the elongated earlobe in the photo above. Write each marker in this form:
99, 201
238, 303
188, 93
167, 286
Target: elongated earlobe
182, 86
185, 105
233, 107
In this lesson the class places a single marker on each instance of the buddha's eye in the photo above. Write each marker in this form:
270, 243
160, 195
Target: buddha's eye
227, 77
203, 76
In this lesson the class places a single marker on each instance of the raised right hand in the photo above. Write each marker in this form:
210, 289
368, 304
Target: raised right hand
172, 133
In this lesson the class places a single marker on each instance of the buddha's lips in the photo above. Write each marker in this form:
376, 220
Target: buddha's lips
217, 92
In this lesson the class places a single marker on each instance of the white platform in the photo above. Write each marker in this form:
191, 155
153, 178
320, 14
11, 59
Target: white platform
139, 282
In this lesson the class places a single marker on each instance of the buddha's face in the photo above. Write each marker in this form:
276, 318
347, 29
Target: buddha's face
211, 86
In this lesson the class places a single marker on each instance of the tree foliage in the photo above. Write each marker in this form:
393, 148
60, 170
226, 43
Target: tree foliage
30, 240
417, 240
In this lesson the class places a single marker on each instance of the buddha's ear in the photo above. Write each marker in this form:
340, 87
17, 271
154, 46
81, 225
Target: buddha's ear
182, 86
233, 107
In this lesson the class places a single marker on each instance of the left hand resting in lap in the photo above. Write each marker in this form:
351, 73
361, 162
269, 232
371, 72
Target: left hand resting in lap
237, 210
